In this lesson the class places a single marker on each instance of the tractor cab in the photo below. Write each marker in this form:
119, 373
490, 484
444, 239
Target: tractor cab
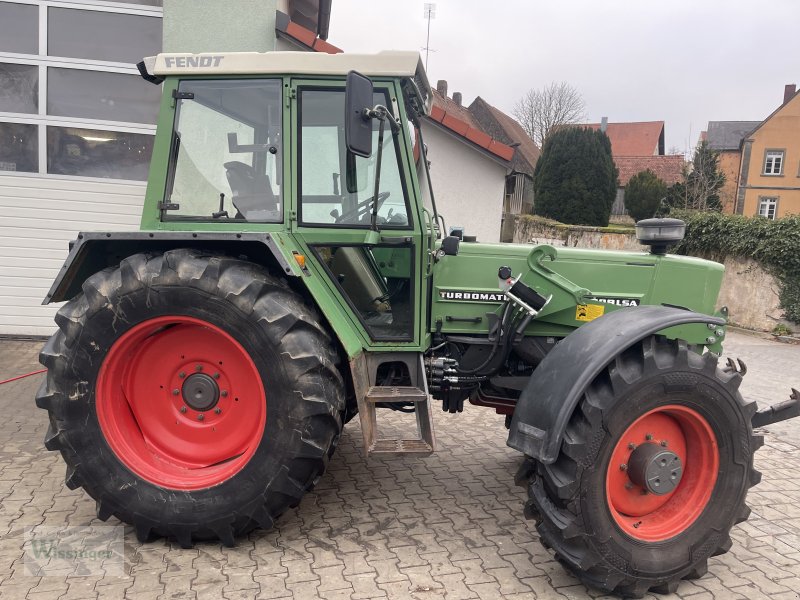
272, 143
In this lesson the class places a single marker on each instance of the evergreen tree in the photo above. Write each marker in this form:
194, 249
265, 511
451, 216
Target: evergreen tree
701, 185
575, 180
643, 195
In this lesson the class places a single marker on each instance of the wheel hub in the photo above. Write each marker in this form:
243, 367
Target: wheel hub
656, 469
200, 392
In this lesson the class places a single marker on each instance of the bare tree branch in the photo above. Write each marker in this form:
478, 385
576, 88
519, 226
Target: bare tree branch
539, 111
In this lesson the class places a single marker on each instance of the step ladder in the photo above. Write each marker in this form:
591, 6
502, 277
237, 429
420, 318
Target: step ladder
369, 397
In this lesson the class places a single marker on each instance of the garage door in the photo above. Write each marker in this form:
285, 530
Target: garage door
38, 218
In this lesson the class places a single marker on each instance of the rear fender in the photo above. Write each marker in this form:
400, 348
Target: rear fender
92, 252
555, 388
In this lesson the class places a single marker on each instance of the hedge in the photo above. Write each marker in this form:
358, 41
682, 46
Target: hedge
773, 243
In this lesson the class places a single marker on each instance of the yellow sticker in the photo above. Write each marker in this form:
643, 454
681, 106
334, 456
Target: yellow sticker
589, 312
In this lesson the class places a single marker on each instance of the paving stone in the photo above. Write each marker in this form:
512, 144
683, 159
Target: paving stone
446, 527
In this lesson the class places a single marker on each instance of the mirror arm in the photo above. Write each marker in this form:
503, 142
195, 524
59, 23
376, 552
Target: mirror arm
373, 223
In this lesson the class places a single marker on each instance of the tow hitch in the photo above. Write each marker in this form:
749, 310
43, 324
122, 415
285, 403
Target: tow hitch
788, 409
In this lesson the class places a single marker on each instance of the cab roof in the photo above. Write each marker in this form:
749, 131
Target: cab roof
383, 64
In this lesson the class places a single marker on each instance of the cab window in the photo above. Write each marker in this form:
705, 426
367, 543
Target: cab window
226, 152
337, 188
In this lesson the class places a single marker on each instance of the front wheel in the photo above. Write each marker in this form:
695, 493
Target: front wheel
193, 396
653, 471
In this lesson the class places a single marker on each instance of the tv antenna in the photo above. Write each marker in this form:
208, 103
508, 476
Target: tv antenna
430, 13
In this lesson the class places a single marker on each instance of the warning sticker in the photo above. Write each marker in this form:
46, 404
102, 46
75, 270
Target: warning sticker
589, 312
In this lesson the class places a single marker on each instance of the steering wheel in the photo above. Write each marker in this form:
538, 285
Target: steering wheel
363, 206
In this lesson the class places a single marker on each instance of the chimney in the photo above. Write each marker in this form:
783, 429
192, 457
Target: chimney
604, 124
441, 87
457, 98
788, 92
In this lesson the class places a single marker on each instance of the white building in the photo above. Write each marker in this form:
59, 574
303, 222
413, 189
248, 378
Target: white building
76, 134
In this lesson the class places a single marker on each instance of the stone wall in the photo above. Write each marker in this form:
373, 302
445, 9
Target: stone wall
536, 231
749, 292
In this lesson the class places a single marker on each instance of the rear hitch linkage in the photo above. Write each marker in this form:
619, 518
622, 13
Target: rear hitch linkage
788, 409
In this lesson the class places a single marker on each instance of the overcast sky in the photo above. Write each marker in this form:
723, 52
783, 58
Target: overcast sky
685, 62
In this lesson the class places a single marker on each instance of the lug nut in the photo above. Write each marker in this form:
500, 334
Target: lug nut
198, 367
664, 443
224, 393
216, 375
628, 485
636, 525
631, 446
623, 467
200, 417
181, 374
648, 437
175, 392
217, 410
183, 409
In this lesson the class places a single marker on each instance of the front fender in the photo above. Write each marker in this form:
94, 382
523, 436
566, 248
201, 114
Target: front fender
555, 388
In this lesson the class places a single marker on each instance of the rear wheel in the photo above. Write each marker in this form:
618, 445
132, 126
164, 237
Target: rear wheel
653, 471
192, 396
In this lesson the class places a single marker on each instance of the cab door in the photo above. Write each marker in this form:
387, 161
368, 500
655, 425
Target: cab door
377, 279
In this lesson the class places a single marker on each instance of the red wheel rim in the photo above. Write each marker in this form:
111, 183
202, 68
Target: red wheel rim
180, 402
656, 517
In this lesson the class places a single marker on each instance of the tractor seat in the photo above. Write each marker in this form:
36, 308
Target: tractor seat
251, 192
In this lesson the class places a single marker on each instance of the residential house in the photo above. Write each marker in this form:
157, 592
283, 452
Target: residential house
769, 175
519, 182
637, 147
468, 167
725, 138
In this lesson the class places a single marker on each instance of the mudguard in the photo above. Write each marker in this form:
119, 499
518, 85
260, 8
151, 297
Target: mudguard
92, 252
554, 390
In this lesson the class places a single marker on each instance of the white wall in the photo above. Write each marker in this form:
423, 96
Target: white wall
38, 217
467, 184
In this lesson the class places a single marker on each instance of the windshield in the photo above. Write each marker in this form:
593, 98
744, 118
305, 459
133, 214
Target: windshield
337, 188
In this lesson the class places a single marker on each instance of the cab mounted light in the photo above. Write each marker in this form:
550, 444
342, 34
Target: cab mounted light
659, 234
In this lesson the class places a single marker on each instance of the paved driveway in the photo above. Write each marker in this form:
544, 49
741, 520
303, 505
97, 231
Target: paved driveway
447, 526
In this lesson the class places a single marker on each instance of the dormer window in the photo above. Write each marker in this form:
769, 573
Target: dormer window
773, 162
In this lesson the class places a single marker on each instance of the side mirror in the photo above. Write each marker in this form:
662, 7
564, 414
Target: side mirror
357, 125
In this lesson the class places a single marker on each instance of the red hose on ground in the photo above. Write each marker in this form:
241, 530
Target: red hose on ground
23, 376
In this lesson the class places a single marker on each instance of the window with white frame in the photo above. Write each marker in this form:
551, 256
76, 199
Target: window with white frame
71, 99
773, 162
767, 207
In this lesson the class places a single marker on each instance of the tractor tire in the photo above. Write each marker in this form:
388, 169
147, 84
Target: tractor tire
652, 473
193, 396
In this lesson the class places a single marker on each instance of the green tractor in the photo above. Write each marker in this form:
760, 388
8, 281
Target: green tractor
291, 272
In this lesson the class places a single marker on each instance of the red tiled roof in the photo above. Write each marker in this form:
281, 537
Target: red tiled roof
667, 168
450, 115
512, 133
303, 36
458, 119
633, 139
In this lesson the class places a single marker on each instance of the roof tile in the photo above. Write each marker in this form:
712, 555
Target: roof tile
301, 34
503, 151
455, 124
633, 139
478, 137
668, 168
459, 120
323, 46
437, 114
